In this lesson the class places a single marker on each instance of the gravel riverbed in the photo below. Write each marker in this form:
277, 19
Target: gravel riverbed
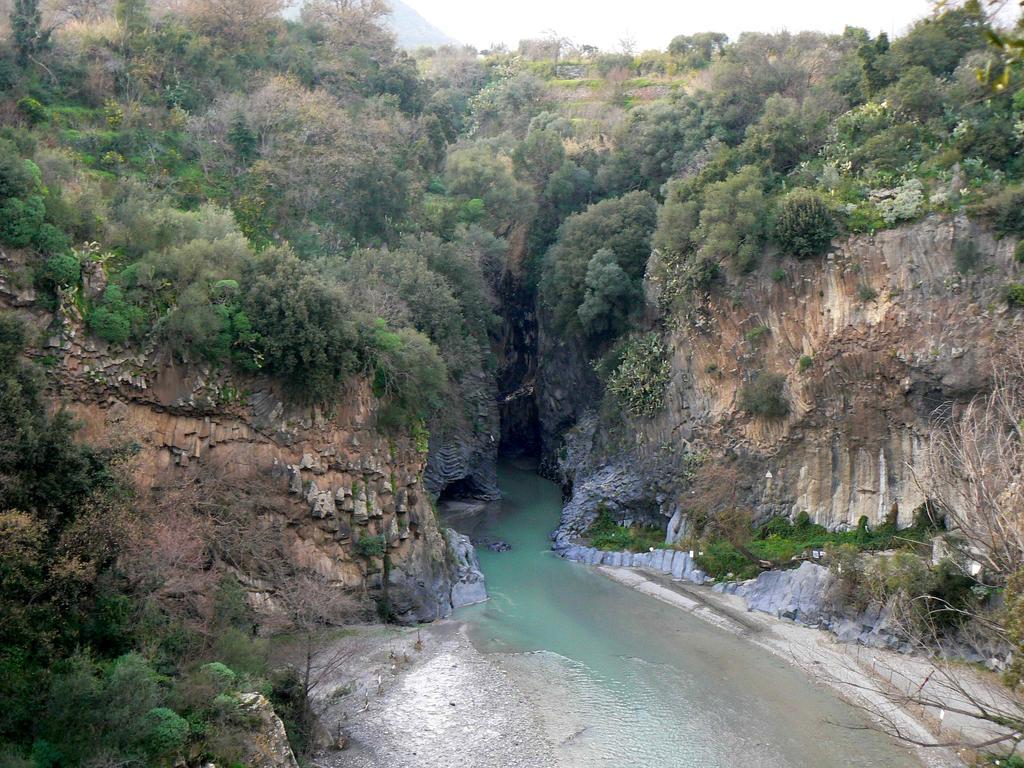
426, 699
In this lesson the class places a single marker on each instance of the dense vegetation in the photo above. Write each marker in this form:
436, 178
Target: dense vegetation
247, 187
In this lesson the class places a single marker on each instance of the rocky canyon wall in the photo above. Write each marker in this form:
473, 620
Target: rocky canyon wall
335, 477
870, 340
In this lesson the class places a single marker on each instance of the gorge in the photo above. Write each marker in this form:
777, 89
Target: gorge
369, 403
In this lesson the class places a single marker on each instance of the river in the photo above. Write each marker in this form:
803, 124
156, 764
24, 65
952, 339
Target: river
622, 679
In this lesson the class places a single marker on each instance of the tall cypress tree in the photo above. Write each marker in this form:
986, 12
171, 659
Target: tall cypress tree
27, 29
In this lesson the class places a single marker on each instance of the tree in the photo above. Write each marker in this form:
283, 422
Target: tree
916, 95
309, 605
30, 37
610, 297
732, 219
972, 480
621, 225
405, 368
698, 51
477, 173
244, 141
238, 22
654, 143
308, 335
786, 132
349, 22
975, 465
876, 64
132, 17
940, 42
538, 156
805, 227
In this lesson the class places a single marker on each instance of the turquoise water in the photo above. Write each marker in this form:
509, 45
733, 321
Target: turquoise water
623, 679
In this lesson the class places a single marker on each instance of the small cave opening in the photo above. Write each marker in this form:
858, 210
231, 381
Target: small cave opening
463, 489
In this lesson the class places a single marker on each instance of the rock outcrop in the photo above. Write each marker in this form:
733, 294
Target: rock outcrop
334, 476
678, 563
799, 595
805, 595
268, 745
468, 585
870, 341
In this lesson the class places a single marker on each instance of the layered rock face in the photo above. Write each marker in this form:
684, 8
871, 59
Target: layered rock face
464, 447
337, 479
891, 327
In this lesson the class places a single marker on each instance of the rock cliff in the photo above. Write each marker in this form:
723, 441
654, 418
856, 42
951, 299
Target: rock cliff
870, 341
338, 478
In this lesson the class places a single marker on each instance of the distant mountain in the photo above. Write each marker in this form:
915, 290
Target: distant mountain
412, 30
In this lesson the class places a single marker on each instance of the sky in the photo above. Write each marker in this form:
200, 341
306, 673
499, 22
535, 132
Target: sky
653, 23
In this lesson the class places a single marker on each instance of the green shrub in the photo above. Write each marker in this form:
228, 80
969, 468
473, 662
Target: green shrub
168, 732
805, 226
1005, 210
221, 675
1019, 251
764, 396
605, 533
50, 240
114, 319
639, 379
756, 334
64, 269
16, 176
20, 220
804, 363
110, 325
965, 256
45, 755
778, 274
407, 370
370, 546
866, 293
11, 757
718, 558
732, 219
32, 109
1014, 293
472, 211
308, 334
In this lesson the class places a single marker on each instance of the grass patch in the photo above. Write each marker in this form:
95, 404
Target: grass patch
780, 541
605, 533
755, 335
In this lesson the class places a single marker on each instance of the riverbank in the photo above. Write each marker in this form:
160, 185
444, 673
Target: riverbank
424, 698
586, 672
858, 675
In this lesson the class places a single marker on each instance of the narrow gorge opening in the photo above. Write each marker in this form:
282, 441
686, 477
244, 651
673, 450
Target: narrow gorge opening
517, 370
